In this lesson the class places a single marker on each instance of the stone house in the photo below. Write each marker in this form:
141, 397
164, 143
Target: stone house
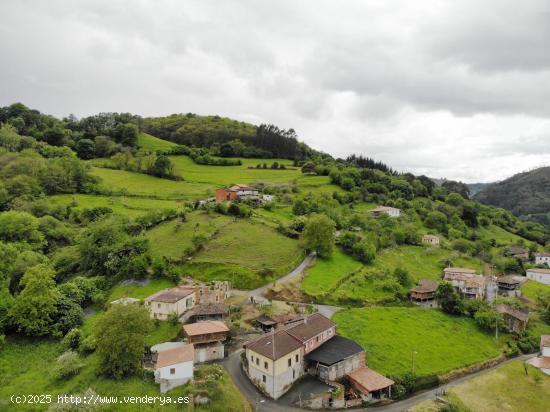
207, 337
335, 359
390, 211
213, 292
176, 300
517, 252
210, 311
515, 320
466, 282
539, 275
430, 240
542, 258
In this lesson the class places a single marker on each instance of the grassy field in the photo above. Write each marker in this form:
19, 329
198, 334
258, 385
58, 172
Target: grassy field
246, 249
130, 206
390, 335
422, 262
317, 184
226, 175
144, 185
502, 237
152, 143
172, 238
507, 388
137, 291
531, 289
325, 274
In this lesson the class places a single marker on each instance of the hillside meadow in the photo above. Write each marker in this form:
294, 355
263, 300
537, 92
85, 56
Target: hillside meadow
391, 335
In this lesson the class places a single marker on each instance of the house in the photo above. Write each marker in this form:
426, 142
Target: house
335, 358
390, 211
266, 323
509, 286
274, 362
466, 282
214, 292
539, 275
210, 311
458, 271
371, 385
542, 258
207, 337
235, 192
517, 252
176, 300
173, 366
542, 361
424, 291
515, 320
313, 331
430, 239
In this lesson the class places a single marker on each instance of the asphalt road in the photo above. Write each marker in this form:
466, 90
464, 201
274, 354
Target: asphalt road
260, 403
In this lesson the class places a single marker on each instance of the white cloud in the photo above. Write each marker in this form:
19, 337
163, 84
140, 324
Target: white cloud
453, 89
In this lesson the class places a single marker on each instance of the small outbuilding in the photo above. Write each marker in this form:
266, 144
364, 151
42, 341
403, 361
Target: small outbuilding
424, 291
515, 320
372, 386
174, 367
336, 358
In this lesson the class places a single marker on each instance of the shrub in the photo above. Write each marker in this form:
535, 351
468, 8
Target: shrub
72, 339
68, 364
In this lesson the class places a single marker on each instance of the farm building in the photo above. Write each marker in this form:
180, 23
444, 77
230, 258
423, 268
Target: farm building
266, 323
430, 239
176, 300
235, 192
509, 286
371, 385
539, 275
210, 311
390, 211
542, 258
515, 320
466, 282
424, 291
173, 365
334, 359
208, 338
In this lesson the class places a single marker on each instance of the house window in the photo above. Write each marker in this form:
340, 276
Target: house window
172, 371
158, 305
293, 374
289, 361
264, 379
251, 358
297, 358
265, 365
257, 361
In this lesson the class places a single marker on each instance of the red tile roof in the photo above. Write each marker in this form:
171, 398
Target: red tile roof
312, 326
204, 328
171, 295
369, 380
274, 345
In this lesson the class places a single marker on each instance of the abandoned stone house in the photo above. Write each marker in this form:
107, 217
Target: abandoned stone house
515, 320
210, 311
430, 239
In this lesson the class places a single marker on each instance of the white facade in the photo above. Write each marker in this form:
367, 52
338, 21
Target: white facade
542, 259
393, 212
539, 275
174, 375
161, 310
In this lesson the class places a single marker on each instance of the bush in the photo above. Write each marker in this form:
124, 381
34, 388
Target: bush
72, 339
88, 345
68, 364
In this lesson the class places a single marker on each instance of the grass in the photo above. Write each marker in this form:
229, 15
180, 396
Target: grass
144, 185
130, 206
26, 368
506, 388
325, 274
172, 238
390, 335
139, 292
531, 289
501, 236
317, 184
152, 143
246, 248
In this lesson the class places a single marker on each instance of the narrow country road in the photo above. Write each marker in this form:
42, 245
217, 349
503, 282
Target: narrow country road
261, 403
257, 294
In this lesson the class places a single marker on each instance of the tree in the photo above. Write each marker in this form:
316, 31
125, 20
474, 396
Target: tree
34, 309
319, 234
488, 318
448, 298
403, 277
85, 148
436, 220
364, 251
55, 136
126, 134
20, 227
543, 306
162, 167
120, 338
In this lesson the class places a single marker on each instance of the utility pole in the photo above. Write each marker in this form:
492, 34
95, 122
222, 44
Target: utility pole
413, 353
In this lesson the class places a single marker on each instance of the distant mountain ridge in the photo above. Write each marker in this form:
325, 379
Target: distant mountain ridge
526, 195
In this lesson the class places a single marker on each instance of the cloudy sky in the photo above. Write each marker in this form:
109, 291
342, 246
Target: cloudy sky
457, 89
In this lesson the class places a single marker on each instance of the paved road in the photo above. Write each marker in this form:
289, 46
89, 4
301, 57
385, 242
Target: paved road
260, 403
257, 294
